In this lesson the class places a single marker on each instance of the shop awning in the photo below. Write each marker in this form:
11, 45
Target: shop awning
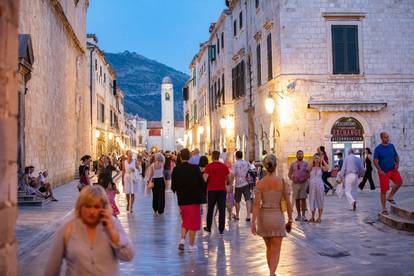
351, 106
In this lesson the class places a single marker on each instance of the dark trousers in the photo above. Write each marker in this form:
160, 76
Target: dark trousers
325, 176
218, 197
158, 195
367, 176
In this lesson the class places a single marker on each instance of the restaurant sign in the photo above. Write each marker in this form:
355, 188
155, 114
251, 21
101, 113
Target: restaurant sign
347, 129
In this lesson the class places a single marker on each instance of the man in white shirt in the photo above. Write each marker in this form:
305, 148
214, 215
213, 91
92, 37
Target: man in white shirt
352, 169
239, 172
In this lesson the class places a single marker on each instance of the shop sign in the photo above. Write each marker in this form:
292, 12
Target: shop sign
347, 129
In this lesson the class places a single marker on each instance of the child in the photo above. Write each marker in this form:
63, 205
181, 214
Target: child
230, 202
112, 191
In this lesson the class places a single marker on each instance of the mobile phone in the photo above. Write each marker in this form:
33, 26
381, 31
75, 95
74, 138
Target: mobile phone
103, 222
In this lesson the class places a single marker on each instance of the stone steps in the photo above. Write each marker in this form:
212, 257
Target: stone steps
401, 216
24, 199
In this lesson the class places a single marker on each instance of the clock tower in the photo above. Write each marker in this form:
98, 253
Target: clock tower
167, 109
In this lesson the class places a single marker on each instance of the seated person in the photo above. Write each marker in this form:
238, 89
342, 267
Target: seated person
33, 188
24, 180
45, 187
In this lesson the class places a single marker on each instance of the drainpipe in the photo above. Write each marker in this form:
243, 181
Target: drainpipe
209, 95
250, 108
90, 93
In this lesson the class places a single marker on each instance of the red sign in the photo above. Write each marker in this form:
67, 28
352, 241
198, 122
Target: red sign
347, 129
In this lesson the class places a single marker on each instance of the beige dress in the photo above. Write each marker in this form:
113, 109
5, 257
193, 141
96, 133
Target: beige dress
271, 220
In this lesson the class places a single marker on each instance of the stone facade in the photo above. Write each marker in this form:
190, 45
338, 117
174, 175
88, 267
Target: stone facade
309, 97
57, 126
9, 99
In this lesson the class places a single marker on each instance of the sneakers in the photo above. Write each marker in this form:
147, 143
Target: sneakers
181, 245
221, 233
207, 230
298, 218
192, 248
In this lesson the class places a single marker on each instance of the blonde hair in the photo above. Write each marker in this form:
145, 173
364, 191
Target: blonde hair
90, 193
270, 163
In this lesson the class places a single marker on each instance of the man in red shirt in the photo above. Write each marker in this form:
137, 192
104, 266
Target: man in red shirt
217, 176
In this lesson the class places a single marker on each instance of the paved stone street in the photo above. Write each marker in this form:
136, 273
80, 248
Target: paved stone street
346, 243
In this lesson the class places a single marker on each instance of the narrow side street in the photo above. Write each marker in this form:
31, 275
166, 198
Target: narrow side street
346, 243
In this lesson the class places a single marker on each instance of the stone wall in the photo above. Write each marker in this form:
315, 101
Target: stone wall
57, 101
387, 75
8, 134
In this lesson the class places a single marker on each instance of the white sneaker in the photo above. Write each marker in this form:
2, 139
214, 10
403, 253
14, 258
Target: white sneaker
192, 248
181, 245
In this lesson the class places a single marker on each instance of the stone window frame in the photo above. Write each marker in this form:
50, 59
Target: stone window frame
351, 18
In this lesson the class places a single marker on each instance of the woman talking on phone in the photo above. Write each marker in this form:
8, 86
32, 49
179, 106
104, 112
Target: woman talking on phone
93, 241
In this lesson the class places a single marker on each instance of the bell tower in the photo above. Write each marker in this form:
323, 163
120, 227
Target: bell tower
167, 120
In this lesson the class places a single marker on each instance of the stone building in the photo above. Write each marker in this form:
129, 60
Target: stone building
106, 103
334, 73
9, 113
57, 125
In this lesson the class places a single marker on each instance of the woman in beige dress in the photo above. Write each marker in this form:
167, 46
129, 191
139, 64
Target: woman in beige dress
267, 213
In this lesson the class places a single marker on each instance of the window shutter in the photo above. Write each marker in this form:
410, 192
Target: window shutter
259, 65
235, 27
222, 40
242, 79
345, 54
233, 83
223, 90
241, 20
269, 58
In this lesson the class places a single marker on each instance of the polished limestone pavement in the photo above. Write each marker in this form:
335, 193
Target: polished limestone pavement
346, 243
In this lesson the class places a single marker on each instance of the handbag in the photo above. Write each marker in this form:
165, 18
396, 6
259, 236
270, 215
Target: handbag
150, 184
283, 205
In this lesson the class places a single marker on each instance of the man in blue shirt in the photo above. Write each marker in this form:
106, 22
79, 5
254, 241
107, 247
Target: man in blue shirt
195, 157
386, 161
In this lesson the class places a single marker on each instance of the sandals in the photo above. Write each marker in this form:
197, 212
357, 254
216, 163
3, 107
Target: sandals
392, 201
318, 220
384, 212
311, 220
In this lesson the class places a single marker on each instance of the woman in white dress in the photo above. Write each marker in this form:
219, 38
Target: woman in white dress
316, 186
131, 175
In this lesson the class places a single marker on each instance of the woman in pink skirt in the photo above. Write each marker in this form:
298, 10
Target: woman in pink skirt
187, 182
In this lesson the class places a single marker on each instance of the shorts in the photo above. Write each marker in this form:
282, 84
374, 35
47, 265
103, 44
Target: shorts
245, 191
167, 174
392, 175
299, 191
42, 189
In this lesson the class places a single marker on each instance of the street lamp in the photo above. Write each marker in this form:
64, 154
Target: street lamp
230, 122
223, 122
200, 130
97, 134
270, 104
110, 136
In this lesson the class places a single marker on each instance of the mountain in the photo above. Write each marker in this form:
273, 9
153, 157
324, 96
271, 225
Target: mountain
140, 78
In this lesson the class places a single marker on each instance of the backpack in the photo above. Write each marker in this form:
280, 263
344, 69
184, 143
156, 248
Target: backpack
251, 176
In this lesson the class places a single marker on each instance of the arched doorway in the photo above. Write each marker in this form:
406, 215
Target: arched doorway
346, 133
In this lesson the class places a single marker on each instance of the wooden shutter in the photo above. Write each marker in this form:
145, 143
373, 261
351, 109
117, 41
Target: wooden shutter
345, 54
269, 58
223, 90
259, 65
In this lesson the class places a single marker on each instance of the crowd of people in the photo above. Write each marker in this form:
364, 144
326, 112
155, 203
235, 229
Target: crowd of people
216, 182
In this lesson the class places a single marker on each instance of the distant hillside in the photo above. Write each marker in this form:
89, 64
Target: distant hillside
140, 78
